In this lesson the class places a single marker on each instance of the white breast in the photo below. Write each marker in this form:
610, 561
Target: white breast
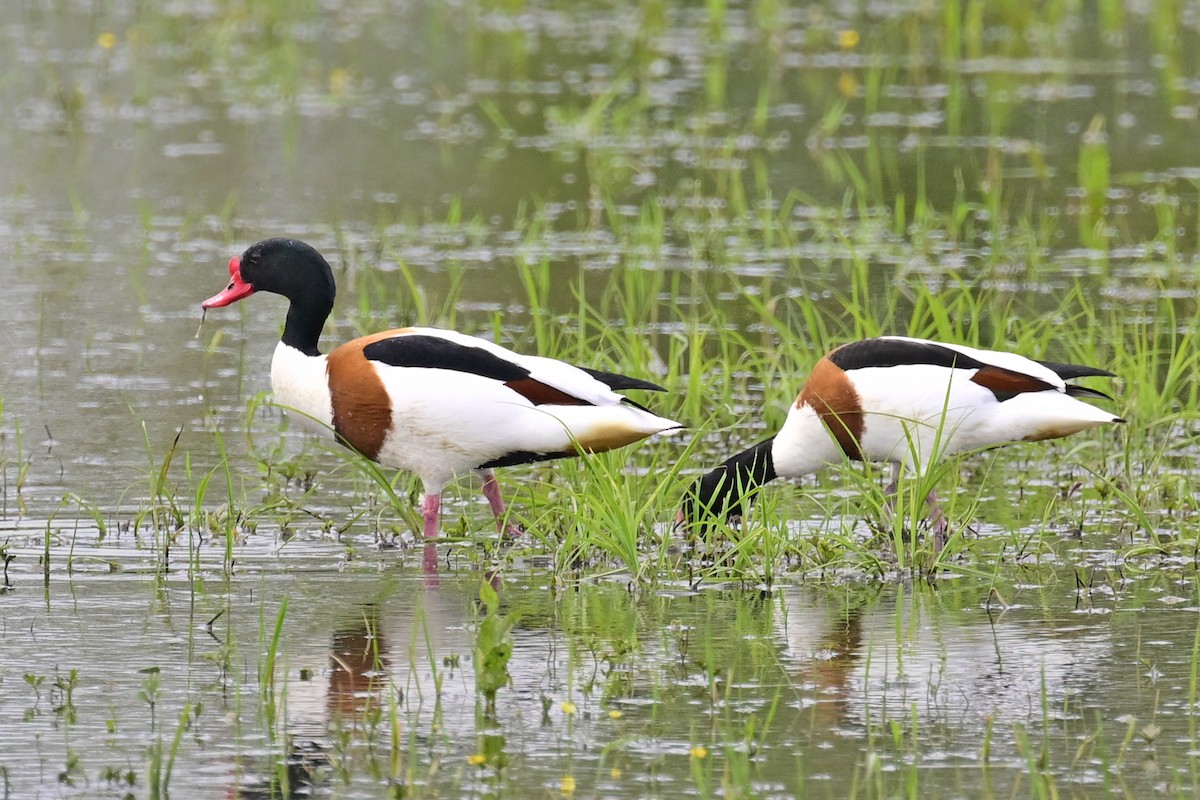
300, 385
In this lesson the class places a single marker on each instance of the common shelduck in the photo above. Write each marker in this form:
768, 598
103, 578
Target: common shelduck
434, 402
908, 402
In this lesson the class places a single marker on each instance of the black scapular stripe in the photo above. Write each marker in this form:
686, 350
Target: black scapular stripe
434, 352
884, 352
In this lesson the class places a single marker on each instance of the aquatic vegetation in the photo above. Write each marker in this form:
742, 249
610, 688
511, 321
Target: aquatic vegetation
493, 648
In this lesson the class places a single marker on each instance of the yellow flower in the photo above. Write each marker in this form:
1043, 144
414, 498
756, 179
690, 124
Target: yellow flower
107, 41
568, 707
614, 714
615, 773
477, 759
847, 38
568, 784
848, 84
339, 81
699, 752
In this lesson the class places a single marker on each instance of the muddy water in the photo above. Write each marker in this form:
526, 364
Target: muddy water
144, 146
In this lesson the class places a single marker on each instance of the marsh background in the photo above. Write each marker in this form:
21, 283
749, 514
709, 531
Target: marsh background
199, 601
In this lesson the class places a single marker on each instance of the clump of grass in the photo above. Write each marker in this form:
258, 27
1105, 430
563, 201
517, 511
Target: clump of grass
1094, 171
267, 673
163, 514
6, 558
493, 648
603, 513
22, 462
162, 760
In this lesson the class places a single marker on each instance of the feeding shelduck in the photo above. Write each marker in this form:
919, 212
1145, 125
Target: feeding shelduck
434, 402
908, 402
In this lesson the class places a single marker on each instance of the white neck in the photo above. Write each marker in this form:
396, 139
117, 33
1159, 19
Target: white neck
803, 445
300, 383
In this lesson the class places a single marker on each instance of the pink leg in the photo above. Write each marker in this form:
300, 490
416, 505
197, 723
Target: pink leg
939, 526
430, 562
491, 490
895, 484
937, 521
430, 506
890, 491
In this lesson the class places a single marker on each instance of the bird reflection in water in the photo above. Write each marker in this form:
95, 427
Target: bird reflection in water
377, 662
327, 711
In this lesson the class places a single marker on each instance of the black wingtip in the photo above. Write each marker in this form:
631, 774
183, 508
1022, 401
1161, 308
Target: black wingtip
616, 381
1086, 391
1069, 371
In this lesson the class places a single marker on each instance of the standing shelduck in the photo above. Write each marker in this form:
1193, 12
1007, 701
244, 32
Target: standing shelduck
434, 402
907, 402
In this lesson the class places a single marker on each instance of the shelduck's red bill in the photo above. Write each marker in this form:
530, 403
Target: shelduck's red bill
236, 290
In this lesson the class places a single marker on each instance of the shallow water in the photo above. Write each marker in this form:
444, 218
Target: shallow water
455, 142
795, 690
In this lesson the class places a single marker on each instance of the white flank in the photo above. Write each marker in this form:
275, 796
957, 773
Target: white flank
917, 413
446, 423
1040, 415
